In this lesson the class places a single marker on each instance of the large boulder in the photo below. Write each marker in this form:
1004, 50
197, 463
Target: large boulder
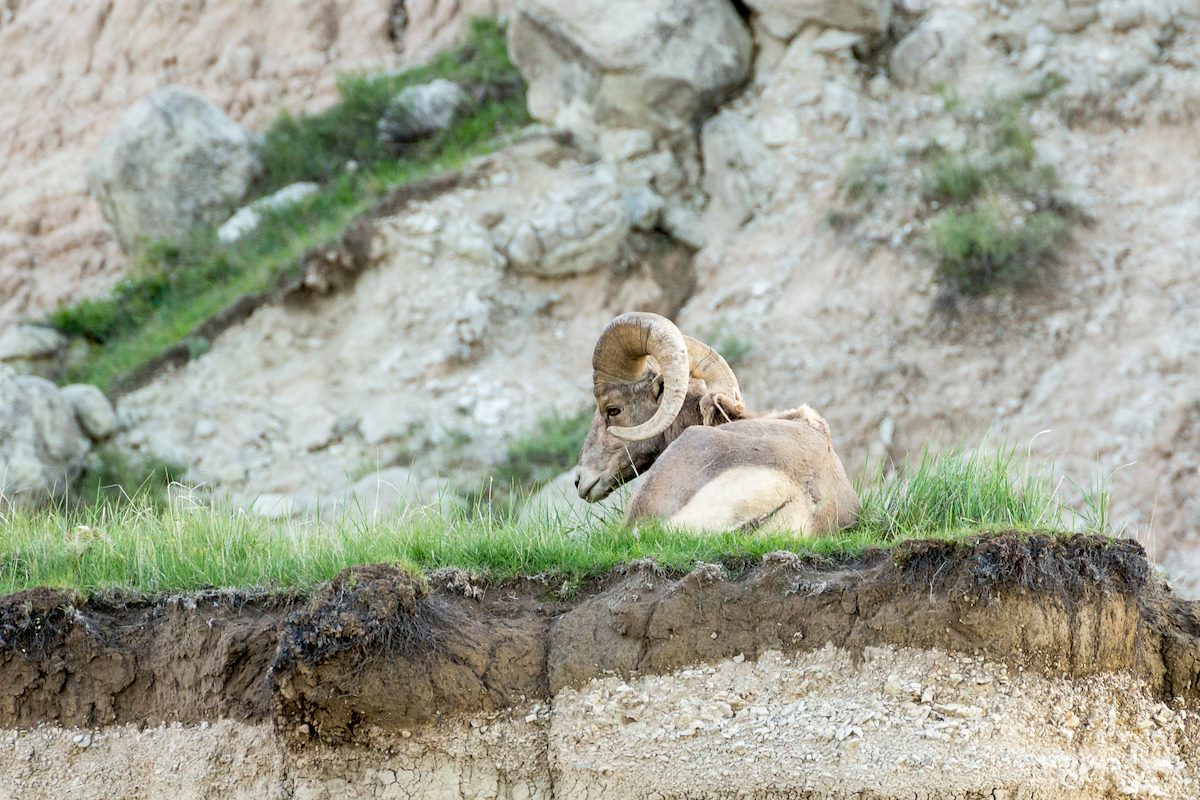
784, 18
174, 161
42, 448
93, 412
739, 170
933, 52
570, 230
653, 64
26, 347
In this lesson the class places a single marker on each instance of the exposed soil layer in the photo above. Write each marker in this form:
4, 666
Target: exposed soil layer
377, 649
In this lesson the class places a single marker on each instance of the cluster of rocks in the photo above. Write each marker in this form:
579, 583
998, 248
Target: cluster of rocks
46, 435
176, 161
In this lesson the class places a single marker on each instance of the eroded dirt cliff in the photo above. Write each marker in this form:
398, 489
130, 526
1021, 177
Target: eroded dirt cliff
1029, 664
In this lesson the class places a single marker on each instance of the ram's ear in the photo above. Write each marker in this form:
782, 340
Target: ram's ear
656, 387
717, 409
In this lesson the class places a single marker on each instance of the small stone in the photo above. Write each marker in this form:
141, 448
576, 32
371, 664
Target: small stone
422, 110
739, 658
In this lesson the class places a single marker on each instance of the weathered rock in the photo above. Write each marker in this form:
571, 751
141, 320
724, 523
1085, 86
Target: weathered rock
685, 225
932, 52
42, 449
92, 410
570, 230
654, 64
421, 111
644, 208
174, 161
783, 18
30, 342
247, 218
738, 169
1066, 16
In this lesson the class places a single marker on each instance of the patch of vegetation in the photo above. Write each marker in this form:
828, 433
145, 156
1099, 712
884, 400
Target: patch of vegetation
175, 286
119, 477
866, 178
991, 212
726, 340
146, 550
983, 249
550, 448
953, 493
319, 147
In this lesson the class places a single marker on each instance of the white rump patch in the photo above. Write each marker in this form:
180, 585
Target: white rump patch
746, 495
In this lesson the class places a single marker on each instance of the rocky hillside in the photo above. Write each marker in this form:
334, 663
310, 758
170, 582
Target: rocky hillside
930, 219
69, 76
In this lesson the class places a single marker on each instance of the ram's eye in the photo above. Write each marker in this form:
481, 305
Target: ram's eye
612, 411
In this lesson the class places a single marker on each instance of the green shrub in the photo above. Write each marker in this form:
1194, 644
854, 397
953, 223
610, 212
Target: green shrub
726, 340
977, 251
952, 179
996, 220
866, 178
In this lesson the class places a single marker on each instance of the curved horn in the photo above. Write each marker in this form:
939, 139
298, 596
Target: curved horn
620, 357
710, 367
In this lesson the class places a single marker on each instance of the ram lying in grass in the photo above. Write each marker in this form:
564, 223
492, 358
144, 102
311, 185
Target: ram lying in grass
143, 549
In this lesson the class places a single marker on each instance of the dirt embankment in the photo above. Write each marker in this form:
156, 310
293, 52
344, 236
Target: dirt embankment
376, 647
478, 678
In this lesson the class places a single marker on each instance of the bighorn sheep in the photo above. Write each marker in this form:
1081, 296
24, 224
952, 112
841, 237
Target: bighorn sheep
670, 404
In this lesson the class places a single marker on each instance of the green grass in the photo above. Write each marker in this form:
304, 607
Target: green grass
733, 346
117, 477
147, 550
1003, 225
175, 286
980, 250
994, 216
550, 448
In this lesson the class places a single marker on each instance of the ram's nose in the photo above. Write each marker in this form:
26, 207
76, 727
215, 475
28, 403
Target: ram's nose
587, 485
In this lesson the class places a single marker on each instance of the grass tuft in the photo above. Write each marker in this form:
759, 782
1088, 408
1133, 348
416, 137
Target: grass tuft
143, 549
981, 249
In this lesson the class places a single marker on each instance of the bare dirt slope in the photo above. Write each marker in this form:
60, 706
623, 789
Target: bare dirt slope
1020, 664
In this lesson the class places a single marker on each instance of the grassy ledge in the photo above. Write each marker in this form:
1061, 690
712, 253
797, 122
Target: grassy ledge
175, 286
145, 550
